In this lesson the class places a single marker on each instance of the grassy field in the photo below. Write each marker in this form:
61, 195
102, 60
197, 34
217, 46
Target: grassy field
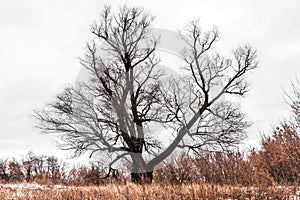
155, 191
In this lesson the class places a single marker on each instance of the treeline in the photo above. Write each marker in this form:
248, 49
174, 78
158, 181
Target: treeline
277, 162
49, 170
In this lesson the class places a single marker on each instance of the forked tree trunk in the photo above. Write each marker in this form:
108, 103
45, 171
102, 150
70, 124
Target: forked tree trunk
141, 173
142, 177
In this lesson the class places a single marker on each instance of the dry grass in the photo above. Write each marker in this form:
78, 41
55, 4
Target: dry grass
154, 191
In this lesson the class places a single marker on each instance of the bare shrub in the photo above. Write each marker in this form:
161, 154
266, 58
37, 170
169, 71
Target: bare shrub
280, 155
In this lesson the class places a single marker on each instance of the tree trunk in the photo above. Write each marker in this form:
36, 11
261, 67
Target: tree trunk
140, 172
142, 177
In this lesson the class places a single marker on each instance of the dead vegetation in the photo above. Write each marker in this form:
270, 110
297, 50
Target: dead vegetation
153, 191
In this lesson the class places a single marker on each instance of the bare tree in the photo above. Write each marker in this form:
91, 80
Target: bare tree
294, 101
129, 93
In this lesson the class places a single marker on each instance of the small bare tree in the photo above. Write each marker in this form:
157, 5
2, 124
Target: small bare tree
128, 93
295, 102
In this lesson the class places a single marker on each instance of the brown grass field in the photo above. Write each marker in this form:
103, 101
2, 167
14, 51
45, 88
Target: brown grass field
154, 191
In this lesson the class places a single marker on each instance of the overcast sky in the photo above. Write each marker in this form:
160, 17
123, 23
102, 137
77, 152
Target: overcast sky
40, 42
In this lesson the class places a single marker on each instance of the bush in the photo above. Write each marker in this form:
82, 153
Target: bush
280, 155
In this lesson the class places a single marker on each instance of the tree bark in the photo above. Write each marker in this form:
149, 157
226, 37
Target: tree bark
141, 173
142, 177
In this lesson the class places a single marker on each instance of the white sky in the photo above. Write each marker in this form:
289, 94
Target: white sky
40, 42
